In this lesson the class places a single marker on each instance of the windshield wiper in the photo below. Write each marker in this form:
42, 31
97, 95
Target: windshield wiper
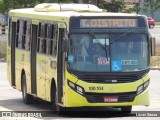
99, 43
104, 47
92, 34
124, 34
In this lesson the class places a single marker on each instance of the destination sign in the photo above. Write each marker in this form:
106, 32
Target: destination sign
95, 23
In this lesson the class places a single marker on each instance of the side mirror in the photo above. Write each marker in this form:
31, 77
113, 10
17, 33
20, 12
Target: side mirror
65, 45
152, 46
64, 40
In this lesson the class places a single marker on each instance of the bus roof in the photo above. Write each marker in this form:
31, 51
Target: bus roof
31, 12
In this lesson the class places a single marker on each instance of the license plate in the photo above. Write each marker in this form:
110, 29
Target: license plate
110, 99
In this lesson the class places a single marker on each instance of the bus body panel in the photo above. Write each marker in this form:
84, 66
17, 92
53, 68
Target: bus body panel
144, 98
9, 64
45, 75
46, 66
50, 75
19, 58
112, 88
9, 53
76, 100
27, 68
41, 75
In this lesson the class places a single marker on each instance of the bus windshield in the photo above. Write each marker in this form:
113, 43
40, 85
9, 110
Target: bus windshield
95, 54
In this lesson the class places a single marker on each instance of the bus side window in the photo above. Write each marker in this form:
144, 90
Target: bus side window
38, 43
44, 46
24, 34
54, 53
20, 33
51, 50
49, 31
54, 32
54, 39
10, 31
28, 35
45, 39
49, 45
17, 33
41, 37
41, 47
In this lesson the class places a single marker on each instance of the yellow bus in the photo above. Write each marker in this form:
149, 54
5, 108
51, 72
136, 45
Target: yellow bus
77, 55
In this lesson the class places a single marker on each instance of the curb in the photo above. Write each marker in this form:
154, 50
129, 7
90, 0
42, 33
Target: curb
2, 60
157, 26
154, 68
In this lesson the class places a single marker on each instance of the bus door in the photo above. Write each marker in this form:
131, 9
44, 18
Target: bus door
51, 60
9, 51
61, 65
12, 38
41, 60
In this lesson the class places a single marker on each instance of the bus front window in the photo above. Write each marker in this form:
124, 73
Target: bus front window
129, 53
101, 54
89, 54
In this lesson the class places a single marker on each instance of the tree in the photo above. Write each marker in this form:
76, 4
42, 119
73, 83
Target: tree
6, 5
137, 7
151, 6
113, 5
88, 1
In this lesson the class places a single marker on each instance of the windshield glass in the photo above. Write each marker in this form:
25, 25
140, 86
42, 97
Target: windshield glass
130, 52
95, 54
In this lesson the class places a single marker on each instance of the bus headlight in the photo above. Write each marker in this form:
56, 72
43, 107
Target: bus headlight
142, 87
80, 90
72, 85
76, 87
146, 84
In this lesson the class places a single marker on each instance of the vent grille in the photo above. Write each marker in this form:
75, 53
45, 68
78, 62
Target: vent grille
99, 98
109, 78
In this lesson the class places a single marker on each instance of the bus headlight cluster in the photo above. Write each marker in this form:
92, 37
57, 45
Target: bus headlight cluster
142, 87
76, 87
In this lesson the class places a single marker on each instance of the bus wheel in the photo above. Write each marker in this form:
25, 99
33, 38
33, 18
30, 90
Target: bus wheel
60, 110
55, 107
53, 100
151, 26
126, 109
27, 99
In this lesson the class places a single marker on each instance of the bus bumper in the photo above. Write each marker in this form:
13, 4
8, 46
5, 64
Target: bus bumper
74, 99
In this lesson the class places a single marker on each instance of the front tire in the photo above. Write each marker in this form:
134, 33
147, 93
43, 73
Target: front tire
27, 99
55, 107
151, 26
126, 109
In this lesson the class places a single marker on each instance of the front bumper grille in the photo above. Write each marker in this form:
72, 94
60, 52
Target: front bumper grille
99, 97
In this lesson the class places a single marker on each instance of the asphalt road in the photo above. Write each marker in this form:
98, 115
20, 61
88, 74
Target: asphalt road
11, 100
